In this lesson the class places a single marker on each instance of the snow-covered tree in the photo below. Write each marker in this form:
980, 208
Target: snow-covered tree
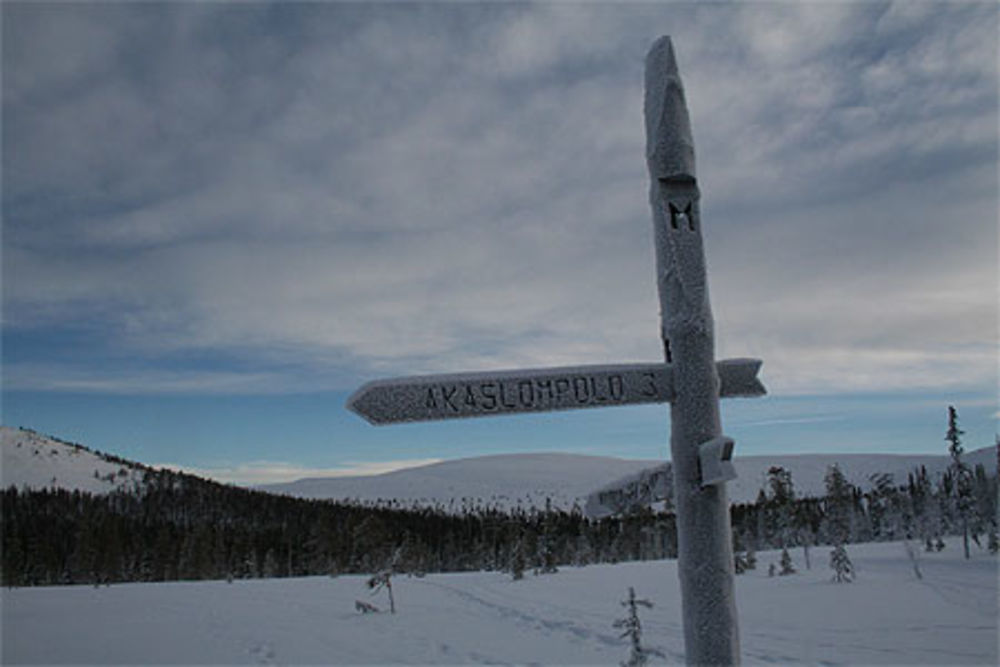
984, 504
840, 563
786, 564
782, 500
922, 505
961, 492
632, 629
383, 578
838, 505
914, 555
883, 506
380, 580
547, 542
838, 498
270, 564
517, 561
993, 542
411, 557
739, 563
739, 558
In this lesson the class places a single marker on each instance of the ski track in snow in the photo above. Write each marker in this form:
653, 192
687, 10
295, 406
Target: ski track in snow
957, 592
535, 619
968, 590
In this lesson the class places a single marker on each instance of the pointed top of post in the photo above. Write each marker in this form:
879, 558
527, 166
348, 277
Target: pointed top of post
669, 145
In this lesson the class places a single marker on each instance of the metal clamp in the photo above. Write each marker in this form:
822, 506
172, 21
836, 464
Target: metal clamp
716, 458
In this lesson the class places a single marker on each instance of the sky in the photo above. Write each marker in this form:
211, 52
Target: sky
219, 219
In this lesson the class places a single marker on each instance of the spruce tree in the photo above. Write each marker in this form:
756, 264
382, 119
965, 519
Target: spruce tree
922, 505
838, 500
639, 654
843, 569
782, 502
838, 506
913, 554
739, 558
962, 482
517, 561
993, 541
547, 541
751, 558
739, 563
786, 564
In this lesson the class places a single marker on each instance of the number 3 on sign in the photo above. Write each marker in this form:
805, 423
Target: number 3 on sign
650, 389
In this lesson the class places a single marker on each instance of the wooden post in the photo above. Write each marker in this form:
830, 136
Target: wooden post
705, 557
690, 380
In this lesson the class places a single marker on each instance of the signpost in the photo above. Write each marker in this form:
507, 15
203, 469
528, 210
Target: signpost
690, 379
487, 393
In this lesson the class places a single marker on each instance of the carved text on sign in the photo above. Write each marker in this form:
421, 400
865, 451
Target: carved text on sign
532, 394
481, 394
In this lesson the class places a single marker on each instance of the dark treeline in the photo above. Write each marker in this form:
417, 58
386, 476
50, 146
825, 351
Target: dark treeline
962, 500
176, 527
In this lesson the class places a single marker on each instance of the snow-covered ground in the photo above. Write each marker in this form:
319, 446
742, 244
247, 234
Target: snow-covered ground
887, 616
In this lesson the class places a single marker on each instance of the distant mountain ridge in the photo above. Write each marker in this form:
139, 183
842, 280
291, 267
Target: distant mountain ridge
506, 481
529, 480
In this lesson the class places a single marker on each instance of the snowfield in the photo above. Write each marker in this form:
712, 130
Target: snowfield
887, 616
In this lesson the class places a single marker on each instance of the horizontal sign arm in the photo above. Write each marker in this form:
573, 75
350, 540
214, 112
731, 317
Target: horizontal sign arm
481, 394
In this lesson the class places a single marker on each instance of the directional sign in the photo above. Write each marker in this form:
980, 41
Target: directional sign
453, 396
700, 452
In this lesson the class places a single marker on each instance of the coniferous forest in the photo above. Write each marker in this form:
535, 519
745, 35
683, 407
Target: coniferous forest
175, 526
181, 527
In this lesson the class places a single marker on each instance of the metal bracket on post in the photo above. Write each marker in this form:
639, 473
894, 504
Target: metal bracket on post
716, 459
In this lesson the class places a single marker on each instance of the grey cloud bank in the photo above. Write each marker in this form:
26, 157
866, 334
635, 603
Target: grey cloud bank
319, 193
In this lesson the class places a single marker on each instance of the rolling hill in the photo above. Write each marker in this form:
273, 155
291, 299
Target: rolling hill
566, 479
32, 460
35, 461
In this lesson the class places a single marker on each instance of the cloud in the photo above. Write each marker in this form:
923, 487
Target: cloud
321, 193
253, 473
790, 421
130, 381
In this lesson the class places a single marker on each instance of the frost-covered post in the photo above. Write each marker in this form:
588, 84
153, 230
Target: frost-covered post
705, 557
691, 380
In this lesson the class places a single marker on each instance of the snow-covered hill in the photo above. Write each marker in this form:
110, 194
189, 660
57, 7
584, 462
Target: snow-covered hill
31, 460
528, 479
504, 481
